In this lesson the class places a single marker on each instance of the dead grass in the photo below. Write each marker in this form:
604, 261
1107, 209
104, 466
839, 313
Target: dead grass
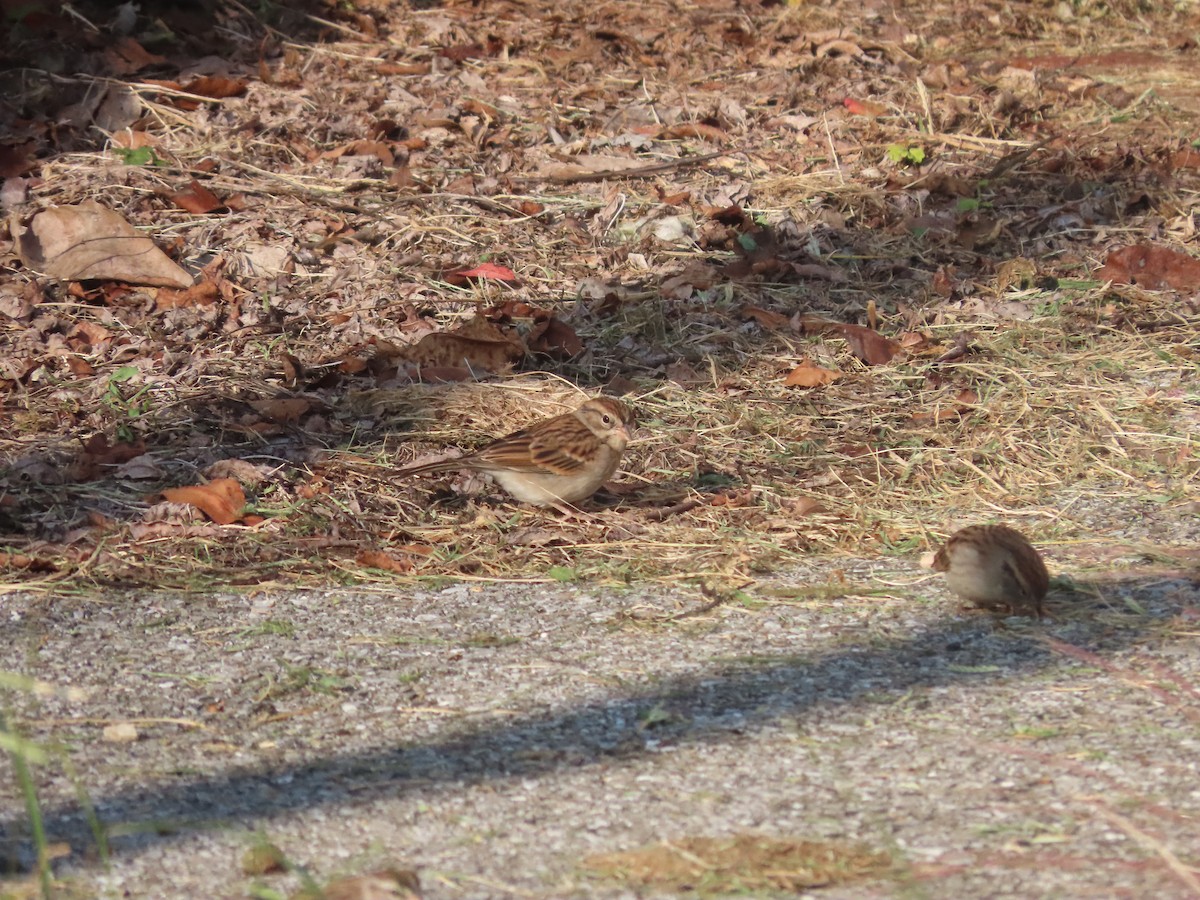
718, 866
1066, 388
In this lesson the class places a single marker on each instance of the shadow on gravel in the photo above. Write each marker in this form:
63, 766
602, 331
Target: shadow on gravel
734, 700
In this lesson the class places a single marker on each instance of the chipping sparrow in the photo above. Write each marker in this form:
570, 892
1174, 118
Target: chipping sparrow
554, 462
993, 566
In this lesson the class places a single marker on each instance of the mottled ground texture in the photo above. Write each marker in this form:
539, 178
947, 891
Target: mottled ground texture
494, 737
867, 271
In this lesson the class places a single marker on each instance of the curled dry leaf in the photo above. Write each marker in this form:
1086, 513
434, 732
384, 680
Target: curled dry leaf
808, 375
89, 241
222, 499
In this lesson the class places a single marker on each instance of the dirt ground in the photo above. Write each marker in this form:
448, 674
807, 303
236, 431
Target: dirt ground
867, 272
508, 740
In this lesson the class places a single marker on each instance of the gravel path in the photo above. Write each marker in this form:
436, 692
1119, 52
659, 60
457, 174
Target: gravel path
492, 737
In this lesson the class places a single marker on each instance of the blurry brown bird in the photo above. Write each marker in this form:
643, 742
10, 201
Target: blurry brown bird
554, 462
993, 566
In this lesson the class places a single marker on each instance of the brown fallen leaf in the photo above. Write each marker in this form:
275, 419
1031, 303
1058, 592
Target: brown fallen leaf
870, 346
808, 375
98, 455
963, 402
378, 559
284, 410
201, 294
765, 317
553, 337
126, 56
386, 884
222, 499
477, 345
24, 561
693, 130
1152, 267
196, 198
802, 507
89, 241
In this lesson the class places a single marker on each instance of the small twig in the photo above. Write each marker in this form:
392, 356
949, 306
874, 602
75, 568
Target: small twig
639, 172
662, 513
716, 599
1183, 872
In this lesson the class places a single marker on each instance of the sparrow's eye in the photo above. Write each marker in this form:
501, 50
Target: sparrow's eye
608, 420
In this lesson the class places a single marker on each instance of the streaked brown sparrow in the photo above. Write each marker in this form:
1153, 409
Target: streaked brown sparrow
995, 567
554, 462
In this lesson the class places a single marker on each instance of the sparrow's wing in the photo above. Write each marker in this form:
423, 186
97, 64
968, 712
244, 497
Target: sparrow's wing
558, 446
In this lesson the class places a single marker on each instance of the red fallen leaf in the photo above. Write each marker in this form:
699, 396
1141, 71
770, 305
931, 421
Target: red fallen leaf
530, 208
870, 346
555, 338
222, 499
864, 107
484, 270
1152, 267
807, 375
196, 198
